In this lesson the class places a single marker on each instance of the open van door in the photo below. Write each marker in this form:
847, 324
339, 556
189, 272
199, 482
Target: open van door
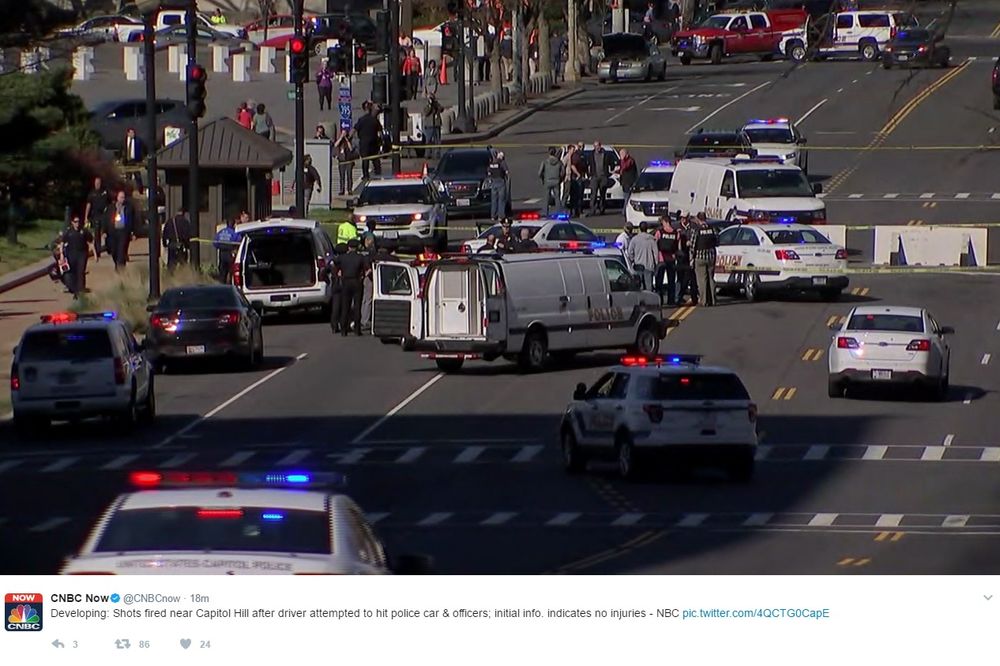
396, 302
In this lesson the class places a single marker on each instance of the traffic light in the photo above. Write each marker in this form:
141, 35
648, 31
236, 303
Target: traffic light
380, 88
382, 31
337, 59
360, 58
447, 38
197, 76
298, 50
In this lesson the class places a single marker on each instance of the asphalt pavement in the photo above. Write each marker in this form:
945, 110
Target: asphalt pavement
465, 467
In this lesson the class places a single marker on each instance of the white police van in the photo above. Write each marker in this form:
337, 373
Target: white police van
745, 189
520, 307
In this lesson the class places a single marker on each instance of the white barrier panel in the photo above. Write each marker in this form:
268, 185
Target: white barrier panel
176, 58
837, 233
416, 126
135, 68
241, 67
267, 56
220, 59
83, 63
288, 65
930, 246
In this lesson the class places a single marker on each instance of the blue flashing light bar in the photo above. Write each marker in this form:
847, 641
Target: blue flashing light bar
661, 163
768, 121
272, 516
287, 478
559, 216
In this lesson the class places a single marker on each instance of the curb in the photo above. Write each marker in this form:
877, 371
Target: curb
25, 275
518, 117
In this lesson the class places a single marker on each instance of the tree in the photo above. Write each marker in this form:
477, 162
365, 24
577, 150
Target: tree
26, 21
266, 9
48, 148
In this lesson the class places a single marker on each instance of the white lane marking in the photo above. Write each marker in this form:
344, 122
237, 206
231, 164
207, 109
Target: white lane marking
963, 195
996, 195
563, 519
638, 104
823, 519
927, 195
469, 454
692, 520
840, 90
758, 519
411, 454
461, 440
968, 399
499, 518
892, 195
816, 452
955, 521
934, 452
875, 452
998, 325
178, 460
61, 464
991, 454
986, 359
49, 524
436, 518
627, 519
9, 464
352, 457
948, 439
527, 454
121, 461
392, 412
725, 106
686, 109
854, 81
855, 196
201, 419
532, 201
295, 457
237, 458
889, 520
377, 516
809, 112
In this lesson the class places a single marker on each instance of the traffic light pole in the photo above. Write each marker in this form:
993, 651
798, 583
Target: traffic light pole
462, 120
194, 194
153, 215
395, 84
300, 113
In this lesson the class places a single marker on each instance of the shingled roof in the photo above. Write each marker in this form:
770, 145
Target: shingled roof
225, 144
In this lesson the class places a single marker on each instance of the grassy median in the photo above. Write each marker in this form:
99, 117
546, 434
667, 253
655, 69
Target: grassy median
34, 241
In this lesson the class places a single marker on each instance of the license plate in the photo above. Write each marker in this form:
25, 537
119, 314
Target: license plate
196, 349
819, 280
279, 298
903, 57
882, 374
464, 202
390, 235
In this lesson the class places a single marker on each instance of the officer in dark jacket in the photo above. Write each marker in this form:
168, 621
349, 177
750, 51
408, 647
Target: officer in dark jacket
686, 283
336, 291
177, 238
76, 247
352, 274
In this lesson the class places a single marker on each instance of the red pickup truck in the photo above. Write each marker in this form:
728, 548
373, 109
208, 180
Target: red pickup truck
764, 34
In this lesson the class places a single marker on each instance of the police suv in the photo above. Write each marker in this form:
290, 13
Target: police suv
650, 196
670, 406
778, 138
231, 523
407, 211
80, 365
756, 259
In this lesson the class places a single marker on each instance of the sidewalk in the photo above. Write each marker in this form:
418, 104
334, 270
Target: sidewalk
22, 305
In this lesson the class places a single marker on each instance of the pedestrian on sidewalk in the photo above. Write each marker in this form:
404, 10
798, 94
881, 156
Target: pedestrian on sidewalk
134, 149
177, 239
121, 229
432, 125
324, 84
95, 213
263, 124
244, 116
411, 74
551, 172
76, 246
226, 241
310, 180
557, 43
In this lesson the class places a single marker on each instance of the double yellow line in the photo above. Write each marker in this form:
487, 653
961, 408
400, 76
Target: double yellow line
908, 108
643, 539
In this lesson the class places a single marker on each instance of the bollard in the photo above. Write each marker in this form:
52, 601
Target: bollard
3, 62
220, 58
176, 58
241, 67
83, 63
288, 65
267, 56
135, 68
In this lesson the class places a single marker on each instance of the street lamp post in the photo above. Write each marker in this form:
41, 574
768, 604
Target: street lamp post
300, 130
149, 11
194, 193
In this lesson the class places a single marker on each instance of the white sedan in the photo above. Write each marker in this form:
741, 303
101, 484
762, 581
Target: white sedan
103, 28
754, 259
890, 345
230, 523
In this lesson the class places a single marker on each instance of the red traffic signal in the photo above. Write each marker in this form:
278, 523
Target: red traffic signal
197, 73
297, 45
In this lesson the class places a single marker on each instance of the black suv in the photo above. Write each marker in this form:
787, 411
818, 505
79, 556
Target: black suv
333, 26
461, 179
717, 143
996, 84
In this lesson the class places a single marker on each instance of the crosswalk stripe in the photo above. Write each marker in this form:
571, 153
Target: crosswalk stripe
469, 454
955, 521
294, 457
963, 195
817, 452
353, 456
121, 461
9, 464
526, 454
237, 458
933, 453
563, 519
889, 520
758, 519
499, 518
61, 464
49, 524
436, 518
411, 454
875, 452
823, 519
627, 519
692, 519
990, 455
178, 460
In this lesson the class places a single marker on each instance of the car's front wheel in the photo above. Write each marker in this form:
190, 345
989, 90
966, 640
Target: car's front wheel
574, 461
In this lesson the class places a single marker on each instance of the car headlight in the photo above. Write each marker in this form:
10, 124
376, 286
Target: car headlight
698, 39
418, 216
636, 205
361, 218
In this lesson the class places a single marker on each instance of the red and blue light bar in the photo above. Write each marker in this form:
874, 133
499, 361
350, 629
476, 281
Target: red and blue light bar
286, 480
670, 359
661, 163
769, 121
69, 317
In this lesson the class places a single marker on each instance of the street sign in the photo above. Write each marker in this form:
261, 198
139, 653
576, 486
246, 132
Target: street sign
344, 106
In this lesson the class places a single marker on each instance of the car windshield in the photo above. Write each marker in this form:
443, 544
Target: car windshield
773, 183
719, 22
205, 297
196, 529
797, 237
497, 230
919, 35
624, 46
466, 163
905, 20
385, 195
697, 386
771, 135
66, 344
653, 181
886, 322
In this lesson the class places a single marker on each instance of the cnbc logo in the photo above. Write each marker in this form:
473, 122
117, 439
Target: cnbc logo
23, 611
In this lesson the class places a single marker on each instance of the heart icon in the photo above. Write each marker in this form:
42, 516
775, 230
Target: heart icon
185, 643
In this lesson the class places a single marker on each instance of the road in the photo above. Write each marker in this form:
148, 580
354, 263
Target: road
466, 468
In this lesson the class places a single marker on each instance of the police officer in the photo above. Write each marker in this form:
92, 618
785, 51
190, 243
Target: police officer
226, 241
352, 273
336, 290
497, 177
508, 239
346, 231
525, 243
704, 241
76, 246
177, 238
686, 283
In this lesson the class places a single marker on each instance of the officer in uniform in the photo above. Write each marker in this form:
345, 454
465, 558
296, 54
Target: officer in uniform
508, 240
352, 274
497, 177
704, 241
226, 242
336, 290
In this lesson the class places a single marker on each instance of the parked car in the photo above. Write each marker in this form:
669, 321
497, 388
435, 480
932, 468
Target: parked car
916, 47
113, 28
112, 119
630, 57
763, 34
177, 34
332, 26
280, 25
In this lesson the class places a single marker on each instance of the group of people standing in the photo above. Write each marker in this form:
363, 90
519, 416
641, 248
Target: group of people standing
565, 178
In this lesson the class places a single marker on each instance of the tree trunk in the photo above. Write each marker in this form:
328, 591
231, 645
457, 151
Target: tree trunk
496, 71
525, 52
544, 52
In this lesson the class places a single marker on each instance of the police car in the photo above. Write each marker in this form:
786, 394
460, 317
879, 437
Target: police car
406, 209
670, 406
778, 138
754, 259
556, 232
231, 523
72, 366
649, 199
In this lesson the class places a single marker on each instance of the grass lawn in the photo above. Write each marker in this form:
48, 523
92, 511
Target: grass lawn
31, 246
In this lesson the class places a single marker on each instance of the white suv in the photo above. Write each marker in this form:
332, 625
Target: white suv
649, 199
863, 33
80, 365
406, 211
670, 405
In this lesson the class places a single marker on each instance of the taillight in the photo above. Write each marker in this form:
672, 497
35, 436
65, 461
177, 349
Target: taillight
752, 413
847, 343
919, 345
15, 379
892, 33
229, 318
219, 513
120, 366
167, 323
789, 255
922, 49
888, 49
842, 254
237, 275
466, 248
654, 412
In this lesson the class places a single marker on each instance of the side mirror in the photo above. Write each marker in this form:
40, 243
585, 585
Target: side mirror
946, 330
413, 565
817, 188
13, 352
580, 393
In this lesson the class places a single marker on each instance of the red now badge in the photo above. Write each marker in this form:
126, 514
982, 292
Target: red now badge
23, 611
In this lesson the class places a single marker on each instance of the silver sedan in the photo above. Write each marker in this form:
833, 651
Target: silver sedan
630, 57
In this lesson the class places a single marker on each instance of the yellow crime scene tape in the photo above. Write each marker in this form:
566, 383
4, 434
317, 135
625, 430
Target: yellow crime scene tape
862, 270
671, 146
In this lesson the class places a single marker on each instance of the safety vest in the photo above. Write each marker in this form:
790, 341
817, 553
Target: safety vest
346, 232
428, 256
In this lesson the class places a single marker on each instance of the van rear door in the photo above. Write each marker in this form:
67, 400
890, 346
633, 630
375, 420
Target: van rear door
396, 304
68, 362
456, 301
